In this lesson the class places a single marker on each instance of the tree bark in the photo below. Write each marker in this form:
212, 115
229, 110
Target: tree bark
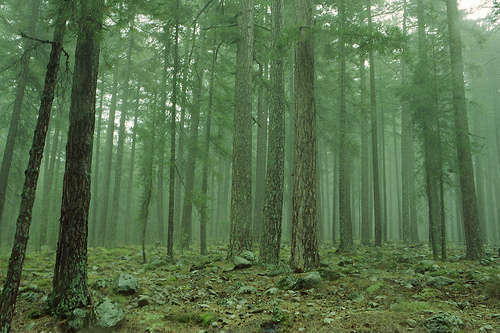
365, 177
70, 289
373, 115
304, 247
273, 206
241, 186
474, 245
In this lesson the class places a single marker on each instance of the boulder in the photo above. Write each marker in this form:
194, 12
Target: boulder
108, 314
240, 262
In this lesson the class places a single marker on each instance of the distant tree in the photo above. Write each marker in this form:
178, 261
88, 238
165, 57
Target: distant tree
304, 247
70, 289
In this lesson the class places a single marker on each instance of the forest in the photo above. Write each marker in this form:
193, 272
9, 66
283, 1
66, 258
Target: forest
250, 166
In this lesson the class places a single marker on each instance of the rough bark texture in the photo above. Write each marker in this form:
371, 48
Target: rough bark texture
11, 286
16, 112
241, 186
304, 247
70, 273
346, 241
273, 206
375, 168
474, 246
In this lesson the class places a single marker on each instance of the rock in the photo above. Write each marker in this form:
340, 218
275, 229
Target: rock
345, 262
271, 291
439, 281
443, 322
127, 284
248, 255
328, 320
247, 290
307, 281
108, 314
240, 262
143, 301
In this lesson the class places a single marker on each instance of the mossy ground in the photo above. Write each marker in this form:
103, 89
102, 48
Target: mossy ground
372, 291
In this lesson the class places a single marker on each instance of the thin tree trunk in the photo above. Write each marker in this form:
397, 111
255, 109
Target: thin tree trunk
173, 113
11, 286
365, 178
375, 168
108, 155
130, 187
97, 164
122, 134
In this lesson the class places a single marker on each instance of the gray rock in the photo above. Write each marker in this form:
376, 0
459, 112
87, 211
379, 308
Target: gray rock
307, 281
439, 281
443, 322
108, 314
127, 284
240, 262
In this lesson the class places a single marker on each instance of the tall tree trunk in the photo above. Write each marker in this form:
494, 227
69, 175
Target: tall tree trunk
70, 289
260, 170
373, 115
163, 127
365, 178
173, 113
383, 163
346, 241
273, 206
130, 186
474, 245
95, 197
304, 248
206, 151
335, 196
11, 286
108, 155
426, 107
16, 112
241, 186
122, 134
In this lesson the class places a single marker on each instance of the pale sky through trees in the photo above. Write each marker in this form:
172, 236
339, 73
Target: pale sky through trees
475, 8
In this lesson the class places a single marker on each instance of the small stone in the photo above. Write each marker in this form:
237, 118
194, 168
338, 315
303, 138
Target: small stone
127, 284
248, 255
328, 320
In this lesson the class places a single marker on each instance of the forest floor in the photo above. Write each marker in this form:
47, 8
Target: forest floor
393, 289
